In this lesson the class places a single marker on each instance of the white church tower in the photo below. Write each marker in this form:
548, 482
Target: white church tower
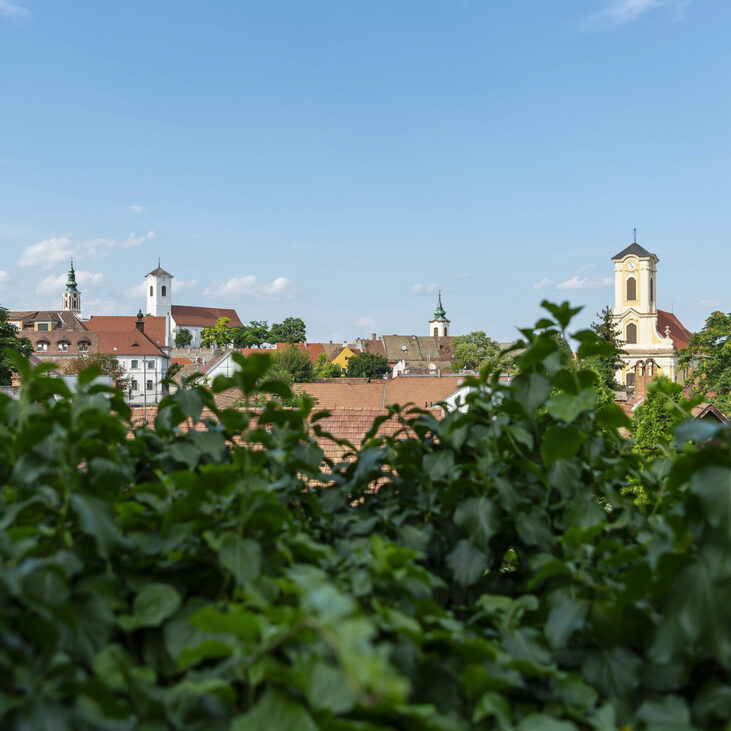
159, 285
439, 325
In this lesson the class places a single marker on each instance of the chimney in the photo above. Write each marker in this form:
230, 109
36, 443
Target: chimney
140, 324
373, 336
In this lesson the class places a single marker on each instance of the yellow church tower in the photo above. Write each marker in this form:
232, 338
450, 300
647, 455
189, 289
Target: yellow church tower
651, 337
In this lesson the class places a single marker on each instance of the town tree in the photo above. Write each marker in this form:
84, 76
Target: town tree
367, 365
324, 368
253, 335
107, 364
708, 360
218, 336
9, 340
606, 365
296, 361
183, 337
291, 330
475, 351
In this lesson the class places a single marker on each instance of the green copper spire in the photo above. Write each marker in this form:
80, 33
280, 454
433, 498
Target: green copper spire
71, 281
439, 314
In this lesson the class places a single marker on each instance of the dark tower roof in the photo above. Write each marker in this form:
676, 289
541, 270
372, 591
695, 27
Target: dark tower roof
635, 249
71, 281
159, 272
439, 314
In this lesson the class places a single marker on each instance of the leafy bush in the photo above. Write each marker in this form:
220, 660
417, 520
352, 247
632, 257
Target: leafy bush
496, 579
367, 365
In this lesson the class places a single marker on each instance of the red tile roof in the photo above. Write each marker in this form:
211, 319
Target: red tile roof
128, 342
154, 326
678, 332
203, 316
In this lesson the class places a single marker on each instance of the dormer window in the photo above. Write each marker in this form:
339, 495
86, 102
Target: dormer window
631, 289
63, 345
42, 346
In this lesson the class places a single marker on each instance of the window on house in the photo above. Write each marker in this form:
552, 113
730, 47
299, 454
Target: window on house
43, 326
631, 289
83, 347
63, 346
630, 379
164, 291
42, 345
631, 333
436, 332
652, 290
150, 363
134, 364
134, 385
151, 290
149, 385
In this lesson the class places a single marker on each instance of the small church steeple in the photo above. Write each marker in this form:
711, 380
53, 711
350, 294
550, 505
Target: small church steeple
439, 324
72, 296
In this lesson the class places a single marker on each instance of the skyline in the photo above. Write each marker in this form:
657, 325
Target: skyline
342, 162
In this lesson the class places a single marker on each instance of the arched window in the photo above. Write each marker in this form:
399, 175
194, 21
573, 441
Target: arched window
652, 289
164, 291
631, 289
629, 379
63, 346
151, 290
83, 346
436, 331
631, 333
42, 345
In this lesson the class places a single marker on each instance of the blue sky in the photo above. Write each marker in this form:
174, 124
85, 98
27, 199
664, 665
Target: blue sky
340, 160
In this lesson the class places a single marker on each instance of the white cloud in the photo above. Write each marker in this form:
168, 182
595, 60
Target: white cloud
619, 12
545, 282
4, 276
184, 283
53, 284
136, 292
133, 240
47, 253
701, 303
281, 287
577, 282
366, 321
9, 8
425, 288
139, 210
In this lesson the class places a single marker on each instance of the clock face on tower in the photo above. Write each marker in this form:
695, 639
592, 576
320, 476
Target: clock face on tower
631, 265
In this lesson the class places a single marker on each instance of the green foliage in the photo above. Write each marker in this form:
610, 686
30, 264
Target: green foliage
9, 341
218, 336
476, 351
367, 365
708, 358
253, 335
497, 579
325, 369
295, 361
183, 337
291, 330
655, 417
607, 365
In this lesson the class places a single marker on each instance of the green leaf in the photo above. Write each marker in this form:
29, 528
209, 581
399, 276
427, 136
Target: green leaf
467, 562
566, 616
560, 442
614, 672
95, 519
47, 585
542, 722
244, 625
493, 705
154, 604
241, 556
669, 714
713, 487
275, 711
203, 651
531, 391
478, 517
328, 689
567, 407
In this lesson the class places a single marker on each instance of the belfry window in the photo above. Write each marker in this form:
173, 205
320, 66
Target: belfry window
631, 289
151, 290
652, 289
164, 291
631, 333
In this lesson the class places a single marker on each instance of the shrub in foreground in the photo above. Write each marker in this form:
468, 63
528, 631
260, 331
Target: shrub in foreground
497, 578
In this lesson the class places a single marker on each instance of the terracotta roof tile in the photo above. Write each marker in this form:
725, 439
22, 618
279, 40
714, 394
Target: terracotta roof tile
203, 316
128, 342
678, 332
154, 326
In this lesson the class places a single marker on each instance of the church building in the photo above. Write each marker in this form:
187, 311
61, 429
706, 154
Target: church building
651, 337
